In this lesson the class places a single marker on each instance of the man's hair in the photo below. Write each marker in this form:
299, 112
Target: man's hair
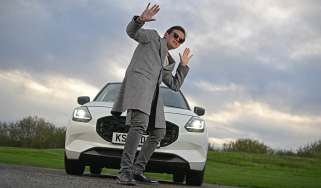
176, 27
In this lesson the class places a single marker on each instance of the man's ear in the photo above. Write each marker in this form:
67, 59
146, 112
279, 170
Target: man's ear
166, 35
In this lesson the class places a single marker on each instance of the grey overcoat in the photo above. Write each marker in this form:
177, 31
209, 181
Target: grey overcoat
146, 72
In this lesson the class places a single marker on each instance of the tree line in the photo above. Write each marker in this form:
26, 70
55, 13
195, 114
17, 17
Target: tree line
254, 146
32, 132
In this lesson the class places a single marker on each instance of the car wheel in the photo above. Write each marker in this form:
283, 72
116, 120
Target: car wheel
178, 177
95, 170
195, 177
73, 167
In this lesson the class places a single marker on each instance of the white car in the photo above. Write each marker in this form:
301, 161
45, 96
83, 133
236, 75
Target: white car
96, 138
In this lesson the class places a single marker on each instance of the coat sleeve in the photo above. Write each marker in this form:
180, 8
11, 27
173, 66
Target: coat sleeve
175, 82
135, 31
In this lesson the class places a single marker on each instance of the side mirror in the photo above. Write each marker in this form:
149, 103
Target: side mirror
199, 111
83, 100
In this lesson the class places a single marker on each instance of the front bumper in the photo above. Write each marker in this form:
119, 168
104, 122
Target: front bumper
110, 158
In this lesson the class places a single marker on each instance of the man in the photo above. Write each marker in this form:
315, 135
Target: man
151, 64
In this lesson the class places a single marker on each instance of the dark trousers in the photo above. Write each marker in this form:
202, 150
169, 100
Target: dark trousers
138, 122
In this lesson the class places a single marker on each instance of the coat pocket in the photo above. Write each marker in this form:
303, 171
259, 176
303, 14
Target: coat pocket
145, 74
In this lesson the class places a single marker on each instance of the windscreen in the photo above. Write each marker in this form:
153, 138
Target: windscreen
170, 97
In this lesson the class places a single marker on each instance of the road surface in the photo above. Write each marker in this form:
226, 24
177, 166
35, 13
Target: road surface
14, 176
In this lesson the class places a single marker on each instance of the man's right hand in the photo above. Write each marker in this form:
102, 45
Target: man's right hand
148, 14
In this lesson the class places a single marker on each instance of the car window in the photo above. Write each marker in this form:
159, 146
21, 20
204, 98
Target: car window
170, 97
109, 93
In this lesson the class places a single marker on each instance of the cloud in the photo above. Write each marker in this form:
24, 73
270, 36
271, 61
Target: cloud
206, 86
54, 96
309, 48
238, 110
259, 121
59, 36
52, 86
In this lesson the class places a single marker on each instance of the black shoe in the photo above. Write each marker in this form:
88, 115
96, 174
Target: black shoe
125, 180
143, 179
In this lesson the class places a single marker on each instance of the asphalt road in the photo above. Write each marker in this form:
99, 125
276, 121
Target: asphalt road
13, 176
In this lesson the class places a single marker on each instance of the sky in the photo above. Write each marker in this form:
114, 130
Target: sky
256, 65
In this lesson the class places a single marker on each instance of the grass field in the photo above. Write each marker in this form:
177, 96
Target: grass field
239, 169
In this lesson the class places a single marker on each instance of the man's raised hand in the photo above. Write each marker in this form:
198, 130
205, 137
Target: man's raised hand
148, 13
186, 56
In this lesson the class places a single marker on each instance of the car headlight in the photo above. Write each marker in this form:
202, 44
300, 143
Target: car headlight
195, 124
81, 114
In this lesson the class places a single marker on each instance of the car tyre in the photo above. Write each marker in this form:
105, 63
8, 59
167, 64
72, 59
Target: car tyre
73, 167
178, 177
195, 177
96, 170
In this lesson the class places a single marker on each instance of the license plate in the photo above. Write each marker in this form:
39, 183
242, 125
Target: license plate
120, 138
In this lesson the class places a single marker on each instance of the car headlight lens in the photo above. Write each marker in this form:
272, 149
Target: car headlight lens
195, 124
81, 114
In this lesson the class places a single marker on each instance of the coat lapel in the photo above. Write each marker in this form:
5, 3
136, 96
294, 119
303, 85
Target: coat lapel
163, 50
171, 63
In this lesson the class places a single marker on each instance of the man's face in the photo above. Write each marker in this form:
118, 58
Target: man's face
174, 39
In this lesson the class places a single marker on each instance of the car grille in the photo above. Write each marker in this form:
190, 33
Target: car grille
109, 124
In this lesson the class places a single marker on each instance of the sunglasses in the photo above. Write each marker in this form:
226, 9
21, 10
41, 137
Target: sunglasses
176, 36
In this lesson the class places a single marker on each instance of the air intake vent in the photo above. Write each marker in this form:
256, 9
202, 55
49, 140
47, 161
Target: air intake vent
109, 124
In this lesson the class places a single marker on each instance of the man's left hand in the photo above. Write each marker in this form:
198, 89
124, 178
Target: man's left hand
186, 56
